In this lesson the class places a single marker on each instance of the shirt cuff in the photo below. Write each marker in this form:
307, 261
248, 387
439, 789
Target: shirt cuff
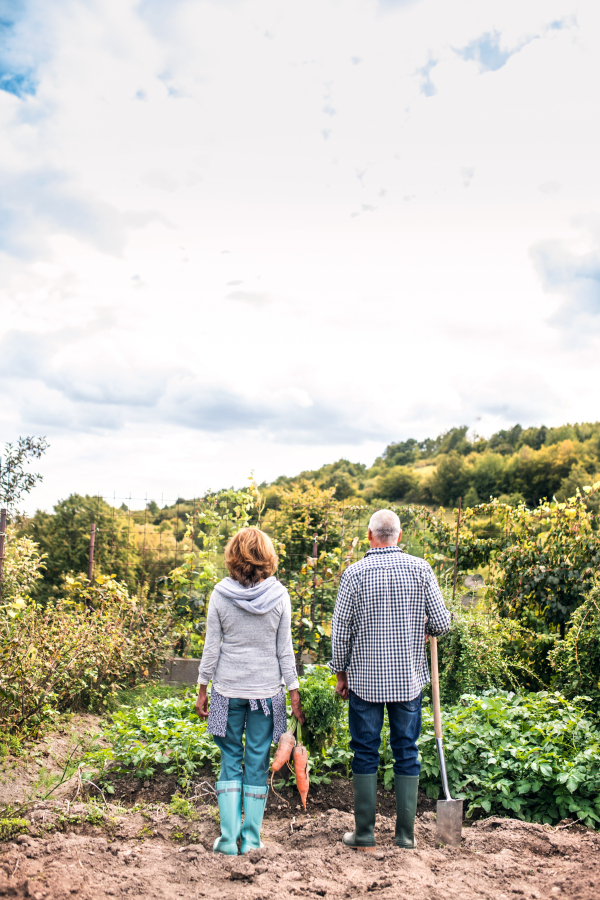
294, 685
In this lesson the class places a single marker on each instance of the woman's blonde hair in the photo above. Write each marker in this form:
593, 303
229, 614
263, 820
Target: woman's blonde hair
250, 556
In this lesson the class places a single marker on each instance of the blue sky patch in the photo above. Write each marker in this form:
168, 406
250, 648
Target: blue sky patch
19, 84
487, 52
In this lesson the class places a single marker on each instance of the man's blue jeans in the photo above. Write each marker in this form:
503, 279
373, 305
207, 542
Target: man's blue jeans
366, 721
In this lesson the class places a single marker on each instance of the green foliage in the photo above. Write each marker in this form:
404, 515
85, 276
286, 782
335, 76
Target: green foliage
67, 654
15, 479
535, 463
398, 483
576, 660
180, 806
64, 536
548, 561
189, 586
11, 827
23, 568
481, 652
533, 756
322, 706
166, 733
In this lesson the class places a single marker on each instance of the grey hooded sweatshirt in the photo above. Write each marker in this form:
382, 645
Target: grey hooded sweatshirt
248, 649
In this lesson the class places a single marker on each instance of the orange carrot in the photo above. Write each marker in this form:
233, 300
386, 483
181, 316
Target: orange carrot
284, 750
300, 761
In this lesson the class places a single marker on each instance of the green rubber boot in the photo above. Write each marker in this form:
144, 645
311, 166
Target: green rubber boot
255, 800
365, 800
407, 789
229, 795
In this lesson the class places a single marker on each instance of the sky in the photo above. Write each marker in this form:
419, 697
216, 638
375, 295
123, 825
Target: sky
255, 235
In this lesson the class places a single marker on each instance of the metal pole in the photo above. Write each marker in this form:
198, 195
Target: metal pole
456, 548
91, 559
2, 537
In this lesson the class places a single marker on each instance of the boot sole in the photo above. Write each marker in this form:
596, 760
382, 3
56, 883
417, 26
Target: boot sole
361, 849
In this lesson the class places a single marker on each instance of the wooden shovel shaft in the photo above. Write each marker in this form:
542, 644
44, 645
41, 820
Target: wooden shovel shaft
435, 687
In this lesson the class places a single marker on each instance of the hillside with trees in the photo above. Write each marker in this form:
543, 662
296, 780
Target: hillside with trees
514, 465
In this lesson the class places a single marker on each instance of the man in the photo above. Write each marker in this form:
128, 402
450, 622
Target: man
387, 603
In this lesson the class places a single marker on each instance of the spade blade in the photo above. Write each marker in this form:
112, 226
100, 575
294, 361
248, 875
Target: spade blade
448, 825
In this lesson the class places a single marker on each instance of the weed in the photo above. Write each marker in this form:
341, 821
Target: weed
10, 828
94, 816
179, 806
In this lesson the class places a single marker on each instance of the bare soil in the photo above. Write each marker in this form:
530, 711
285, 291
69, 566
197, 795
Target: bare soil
42, 765
92, 851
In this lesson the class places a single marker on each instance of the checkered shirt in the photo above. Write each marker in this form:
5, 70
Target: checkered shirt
386, 604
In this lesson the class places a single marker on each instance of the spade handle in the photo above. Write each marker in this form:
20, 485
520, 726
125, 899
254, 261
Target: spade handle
435, 688
437, 714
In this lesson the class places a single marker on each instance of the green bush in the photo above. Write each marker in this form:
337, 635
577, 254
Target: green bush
533, 756
576, 660
68, 655
482, 652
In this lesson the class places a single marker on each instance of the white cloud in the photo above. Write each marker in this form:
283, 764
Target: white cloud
190, 276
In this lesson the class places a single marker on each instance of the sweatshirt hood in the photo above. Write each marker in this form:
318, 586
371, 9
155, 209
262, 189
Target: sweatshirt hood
258, 599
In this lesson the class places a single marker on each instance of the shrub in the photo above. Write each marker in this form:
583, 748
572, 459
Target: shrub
534, 756
70, 655
482, 652
576, 660
23, 565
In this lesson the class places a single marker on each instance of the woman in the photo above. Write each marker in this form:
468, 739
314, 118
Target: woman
248, 655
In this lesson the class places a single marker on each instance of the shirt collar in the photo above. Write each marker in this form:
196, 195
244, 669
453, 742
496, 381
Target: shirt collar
394, 549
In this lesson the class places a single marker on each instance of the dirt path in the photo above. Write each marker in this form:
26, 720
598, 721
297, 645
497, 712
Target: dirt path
92, 852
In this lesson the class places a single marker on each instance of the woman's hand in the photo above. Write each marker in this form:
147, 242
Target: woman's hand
297, 706
202, 702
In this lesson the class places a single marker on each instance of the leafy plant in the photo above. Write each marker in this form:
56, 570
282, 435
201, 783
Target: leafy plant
11, 827
482, 651
68, 655
190, 585
64, 536
23, 568
165, 733
576, 660
533, 756
15, 480
323, 709
181, 806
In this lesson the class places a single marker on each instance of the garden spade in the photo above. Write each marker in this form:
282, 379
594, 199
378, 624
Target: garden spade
448, 826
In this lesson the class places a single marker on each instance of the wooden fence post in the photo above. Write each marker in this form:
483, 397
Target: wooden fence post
3, 515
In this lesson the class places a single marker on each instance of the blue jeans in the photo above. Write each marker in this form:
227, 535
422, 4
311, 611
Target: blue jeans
259, 736
366, 721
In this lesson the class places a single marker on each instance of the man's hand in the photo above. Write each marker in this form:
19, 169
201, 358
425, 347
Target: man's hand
202, 702
297, 706
341, 687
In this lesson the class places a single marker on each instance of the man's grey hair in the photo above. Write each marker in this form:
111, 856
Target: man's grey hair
385, 526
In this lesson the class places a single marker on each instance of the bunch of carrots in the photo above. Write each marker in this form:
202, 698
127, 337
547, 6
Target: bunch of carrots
288, 748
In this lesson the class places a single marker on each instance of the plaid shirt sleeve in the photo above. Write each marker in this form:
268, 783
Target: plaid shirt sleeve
342, 624
438, 617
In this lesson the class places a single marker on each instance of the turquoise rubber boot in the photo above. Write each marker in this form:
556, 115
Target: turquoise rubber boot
229, 795
365, 800
255, 800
